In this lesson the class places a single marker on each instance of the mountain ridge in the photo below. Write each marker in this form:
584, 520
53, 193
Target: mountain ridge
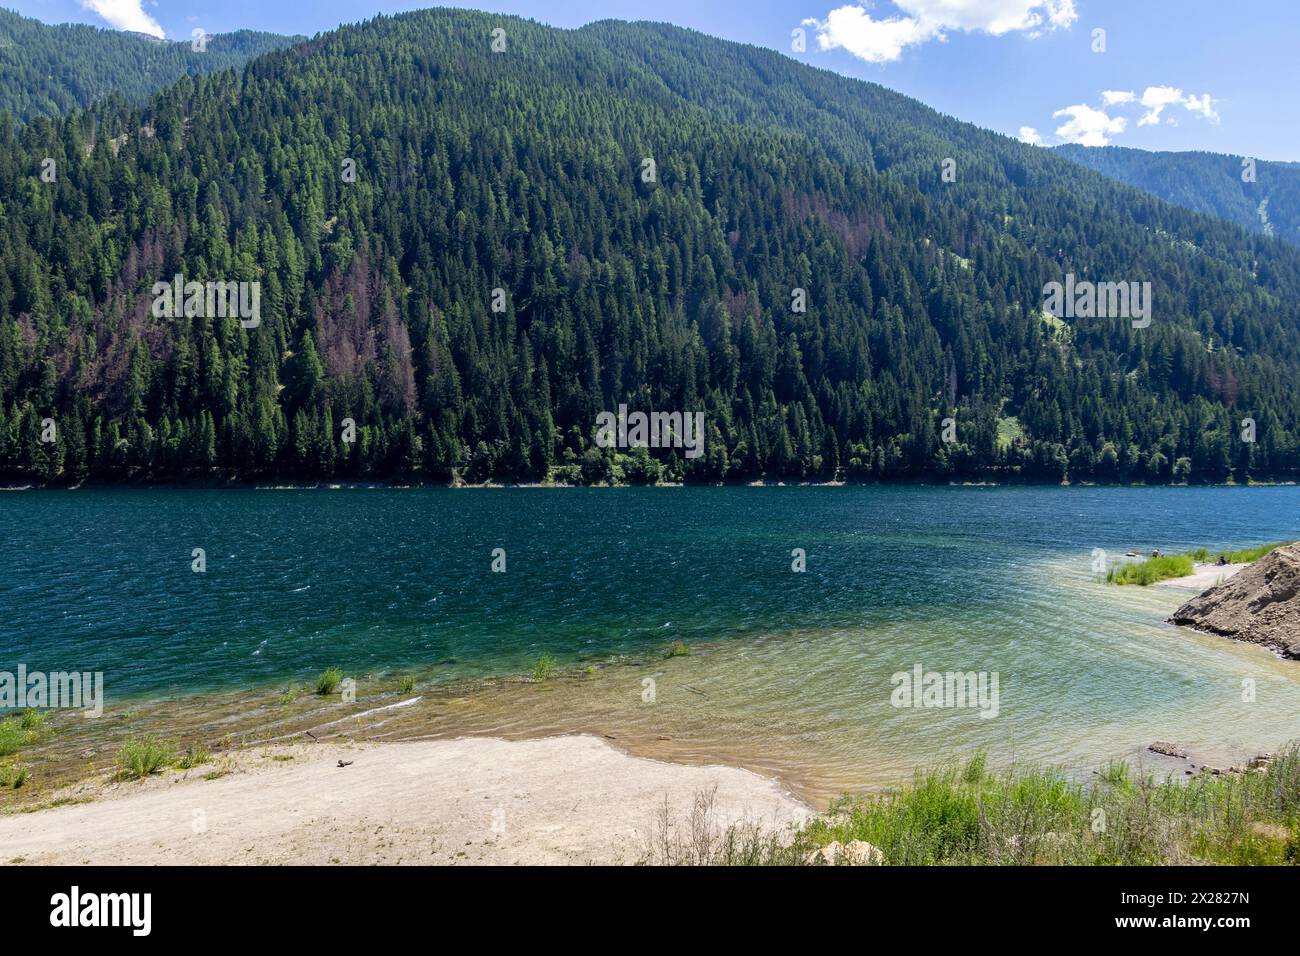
49, 69
1264, 198
523, 171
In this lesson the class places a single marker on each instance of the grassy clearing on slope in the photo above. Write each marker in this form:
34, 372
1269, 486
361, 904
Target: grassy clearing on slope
967, 815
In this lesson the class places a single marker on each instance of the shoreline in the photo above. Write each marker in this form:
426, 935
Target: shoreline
469, 800
333, 484
81, 753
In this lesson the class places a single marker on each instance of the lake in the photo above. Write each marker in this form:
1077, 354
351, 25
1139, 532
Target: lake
787, 672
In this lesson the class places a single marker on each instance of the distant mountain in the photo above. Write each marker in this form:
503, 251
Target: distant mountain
47, 70
458, 238
1206, 182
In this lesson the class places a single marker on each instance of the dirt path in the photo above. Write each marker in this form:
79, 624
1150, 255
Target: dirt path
571, 799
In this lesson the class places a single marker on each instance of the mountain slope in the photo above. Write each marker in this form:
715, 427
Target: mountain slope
1207, 182
48, 70
519, 179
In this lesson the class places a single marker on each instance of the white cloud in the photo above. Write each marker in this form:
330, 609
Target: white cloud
125, 15
1088, 126
1094, 127
851, 28
876, 41
1204, 104
1155, 99
1030, 135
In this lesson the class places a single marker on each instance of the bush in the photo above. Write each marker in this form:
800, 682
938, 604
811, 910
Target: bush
13, 776
329, 681
12, 736
193, 757
142, 756
545, 668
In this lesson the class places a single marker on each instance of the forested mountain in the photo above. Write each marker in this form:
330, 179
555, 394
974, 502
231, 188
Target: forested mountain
527, 171
1266, 201
48, 70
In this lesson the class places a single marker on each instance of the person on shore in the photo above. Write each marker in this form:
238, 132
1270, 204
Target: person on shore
1222, 561
1155, 553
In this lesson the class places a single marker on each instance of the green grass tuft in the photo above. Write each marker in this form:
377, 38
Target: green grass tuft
142, 756
13, 776
545, 667
12, 736
1152, 570
193, 757
329, 681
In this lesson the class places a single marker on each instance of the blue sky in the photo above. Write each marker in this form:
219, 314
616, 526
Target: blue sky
1174, 74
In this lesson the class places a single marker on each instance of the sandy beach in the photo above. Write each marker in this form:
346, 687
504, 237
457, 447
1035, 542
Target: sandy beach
480, 800
1205, 576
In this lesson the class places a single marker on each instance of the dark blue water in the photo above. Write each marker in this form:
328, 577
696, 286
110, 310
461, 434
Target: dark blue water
298, 580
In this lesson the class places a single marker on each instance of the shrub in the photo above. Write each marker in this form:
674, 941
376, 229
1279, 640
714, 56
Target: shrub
142, 756
193, 757
329, 681
545, 668
13, 776
12, 736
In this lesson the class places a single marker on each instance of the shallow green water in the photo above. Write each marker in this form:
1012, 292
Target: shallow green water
971, 579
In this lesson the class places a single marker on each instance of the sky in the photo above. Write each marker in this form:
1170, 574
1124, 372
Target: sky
1150, 74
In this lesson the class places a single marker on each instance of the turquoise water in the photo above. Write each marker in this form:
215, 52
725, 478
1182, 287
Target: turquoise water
374, 580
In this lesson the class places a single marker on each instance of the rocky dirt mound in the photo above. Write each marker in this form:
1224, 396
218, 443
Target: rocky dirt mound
1260, 604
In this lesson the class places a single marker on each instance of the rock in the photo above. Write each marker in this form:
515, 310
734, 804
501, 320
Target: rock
1168, 749
853, 853
1260, 604
1259, 763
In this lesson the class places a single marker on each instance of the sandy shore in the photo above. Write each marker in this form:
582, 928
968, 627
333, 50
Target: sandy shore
569, 799
1205, 576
